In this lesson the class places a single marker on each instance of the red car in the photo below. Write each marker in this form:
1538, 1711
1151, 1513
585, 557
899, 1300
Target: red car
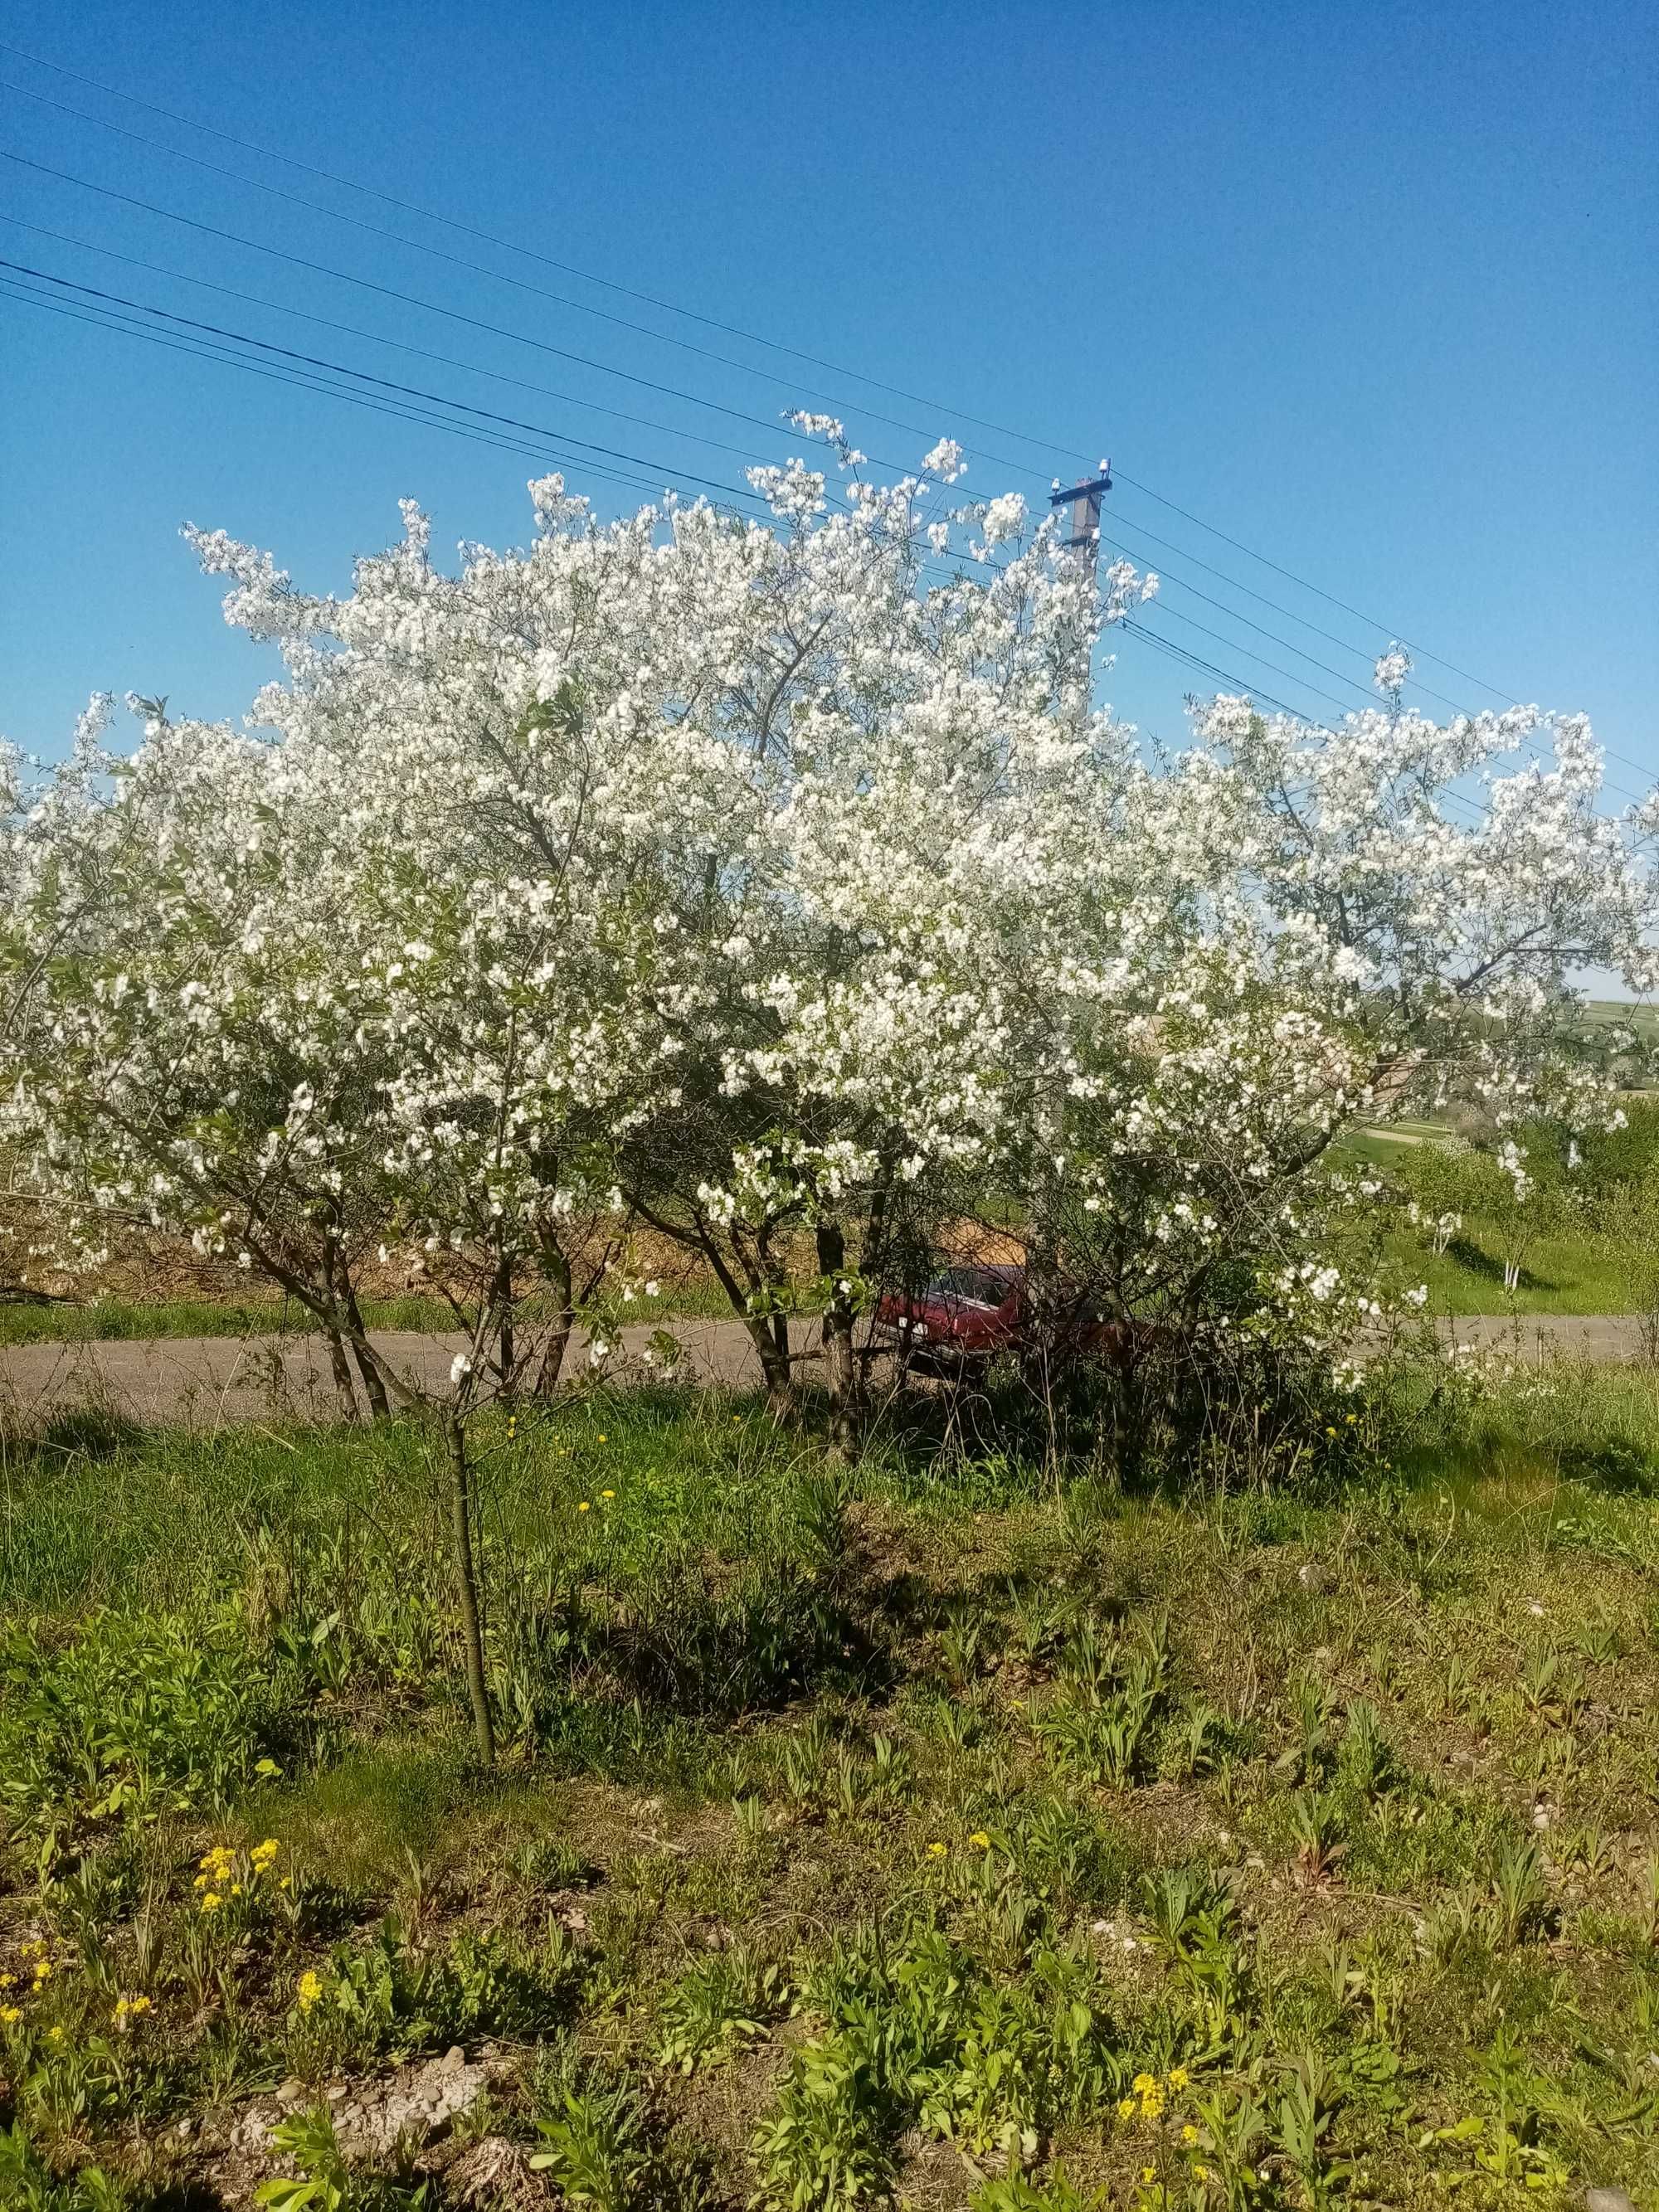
960, 1319
969, 1313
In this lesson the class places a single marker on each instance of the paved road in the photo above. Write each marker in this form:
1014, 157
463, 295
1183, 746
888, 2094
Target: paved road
202, 1380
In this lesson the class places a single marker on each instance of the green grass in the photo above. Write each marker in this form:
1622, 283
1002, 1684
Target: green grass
1573, 1274
111, 1319
852, 1829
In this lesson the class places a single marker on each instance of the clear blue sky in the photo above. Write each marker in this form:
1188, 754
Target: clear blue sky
1373, 288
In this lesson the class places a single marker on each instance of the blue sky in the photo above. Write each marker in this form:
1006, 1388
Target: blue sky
1370, 289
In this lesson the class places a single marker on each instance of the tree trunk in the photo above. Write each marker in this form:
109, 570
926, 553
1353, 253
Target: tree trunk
461, 1519
379, 1407
770, 1338
342, 1372
553, 1352
556, 1271
840, 1367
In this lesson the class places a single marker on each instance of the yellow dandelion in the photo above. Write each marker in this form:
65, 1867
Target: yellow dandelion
600, 1438
607, 1493
582, 1508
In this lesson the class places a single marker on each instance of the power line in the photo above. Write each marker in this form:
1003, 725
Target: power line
339, 369
390, 292
198, 349
667, 307
477, 268
644, 421
509, 246
670, 307
375, 337
1239, 546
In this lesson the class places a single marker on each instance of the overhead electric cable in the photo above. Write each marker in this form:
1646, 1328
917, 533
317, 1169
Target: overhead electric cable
339, 369
462, 228
510, 246
377, 337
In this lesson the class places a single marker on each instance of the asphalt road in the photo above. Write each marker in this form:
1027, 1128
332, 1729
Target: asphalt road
205, 1380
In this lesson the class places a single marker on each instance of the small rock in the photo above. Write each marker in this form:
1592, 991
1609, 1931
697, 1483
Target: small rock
1312, 1577
453, 2058
1607, 2200
337, 2093
185, 2128
291, 2092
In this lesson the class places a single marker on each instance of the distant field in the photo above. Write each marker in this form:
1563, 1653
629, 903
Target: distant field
130, 1320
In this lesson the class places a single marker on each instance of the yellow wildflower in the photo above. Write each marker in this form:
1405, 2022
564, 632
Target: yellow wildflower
1189, 2133
980, 1840
308, 1989
1200, 2173
600, 1438
1126, 2108
42, 1971
10, 2014
1178, 2078
938, 1850
212, 1901
582, 1508
1142, 2083
607, 1493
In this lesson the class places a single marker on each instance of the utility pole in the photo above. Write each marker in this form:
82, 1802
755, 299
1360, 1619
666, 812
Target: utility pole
1083, 500
1045, 1295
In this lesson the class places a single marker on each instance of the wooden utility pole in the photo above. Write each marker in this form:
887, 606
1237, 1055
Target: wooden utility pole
1083, 500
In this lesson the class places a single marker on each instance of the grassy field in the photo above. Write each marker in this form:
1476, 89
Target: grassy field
129, 1319
1573, 1274
918, 1831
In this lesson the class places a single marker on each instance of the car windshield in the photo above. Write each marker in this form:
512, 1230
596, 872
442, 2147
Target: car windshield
975, 1286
